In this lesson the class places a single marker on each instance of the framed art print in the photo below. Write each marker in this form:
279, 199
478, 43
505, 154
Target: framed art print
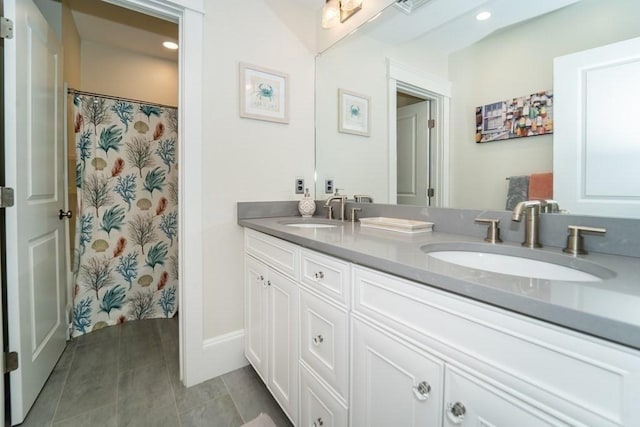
264, 94
353, 113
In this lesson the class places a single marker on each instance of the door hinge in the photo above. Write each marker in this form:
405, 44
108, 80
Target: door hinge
6, 197
431, 192
10, 362
6, 28
431, 123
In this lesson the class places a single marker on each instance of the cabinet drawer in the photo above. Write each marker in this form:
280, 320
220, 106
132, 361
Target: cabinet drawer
477, 402
324, 340
276, 253
318, 406
587, 379
326, 275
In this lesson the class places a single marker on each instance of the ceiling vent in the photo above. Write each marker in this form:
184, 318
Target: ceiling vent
409, 6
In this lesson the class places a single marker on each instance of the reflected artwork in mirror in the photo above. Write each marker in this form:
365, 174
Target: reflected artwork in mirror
442, 56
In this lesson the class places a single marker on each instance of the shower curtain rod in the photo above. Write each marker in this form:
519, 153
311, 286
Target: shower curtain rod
71, 91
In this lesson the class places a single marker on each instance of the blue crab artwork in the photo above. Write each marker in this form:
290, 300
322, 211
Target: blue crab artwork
355, 111
265, 91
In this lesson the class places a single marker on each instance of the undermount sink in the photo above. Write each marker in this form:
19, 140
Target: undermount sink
309, 223
517, 261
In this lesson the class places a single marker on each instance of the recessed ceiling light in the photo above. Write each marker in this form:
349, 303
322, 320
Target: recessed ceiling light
483, 16
170, 45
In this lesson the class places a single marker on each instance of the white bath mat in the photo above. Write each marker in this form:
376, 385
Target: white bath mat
262, 420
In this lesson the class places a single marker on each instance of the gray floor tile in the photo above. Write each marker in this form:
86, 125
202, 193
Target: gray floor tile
143, 382
252, 397
151, 410
44, 408
187, 398
109, 334
220, 412
100, 417
128, 375
87, 389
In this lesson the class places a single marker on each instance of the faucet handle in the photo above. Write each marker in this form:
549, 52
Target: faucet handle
575, 241
493, 231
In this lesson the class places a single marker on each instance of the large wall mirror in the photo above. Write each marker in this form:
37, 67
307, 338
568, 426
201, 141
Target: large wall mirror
461, 63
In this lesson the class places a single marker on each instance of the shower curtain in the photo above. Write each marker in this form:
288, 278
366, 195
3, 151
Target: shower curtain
126, 256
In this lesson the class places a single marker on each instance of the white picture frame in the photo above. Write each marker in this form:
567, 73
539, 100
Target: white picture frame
264, 94
353, 113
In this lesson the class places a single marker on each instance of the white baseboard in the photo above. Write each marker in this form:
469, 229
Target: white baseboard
220, 355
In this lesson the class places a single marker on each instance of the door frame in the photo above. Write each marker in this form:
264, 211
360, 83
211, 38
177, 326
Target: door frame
416, 82
189, 14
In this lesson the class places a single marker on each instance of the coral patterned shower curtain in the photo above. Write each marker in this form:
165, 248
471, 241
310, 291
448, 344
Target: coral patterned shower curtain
126, 256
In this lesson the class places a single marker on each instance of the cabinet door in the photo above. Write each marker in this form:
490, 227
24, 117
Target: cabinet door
393, 383
255, 315
318, 406
283, 342
471, 401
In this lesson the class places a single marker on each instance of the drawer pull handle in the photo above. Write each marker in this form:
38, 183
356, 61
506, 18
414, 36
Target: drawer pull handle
456, 412
422, 390
318, 340
319, 275
318, 422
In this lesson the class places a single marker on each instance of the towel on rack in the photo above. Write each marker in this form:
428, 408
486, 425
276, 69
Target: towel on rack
541, 186
518, 191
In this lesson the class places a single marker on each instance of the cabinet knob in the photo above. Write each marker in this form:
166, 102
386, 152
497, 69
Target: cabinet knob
317, 340
456, 412
267, 283
421, 390
318, 422
319, 275
261, 278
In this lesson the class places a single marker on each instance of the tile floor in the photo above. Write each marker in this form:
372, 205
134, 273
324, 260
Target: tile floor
127, 375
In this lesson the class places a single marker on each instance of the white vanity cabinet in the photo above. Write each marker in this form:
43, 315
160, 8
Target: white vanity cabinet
271, 316
339, 344
500, 368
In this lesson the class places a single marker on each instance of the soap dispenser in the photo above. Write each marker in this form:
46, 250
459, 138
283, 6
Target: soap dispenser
306, 206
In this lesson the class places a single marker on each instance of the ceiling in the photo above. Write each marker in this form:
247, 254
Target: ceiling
110, 25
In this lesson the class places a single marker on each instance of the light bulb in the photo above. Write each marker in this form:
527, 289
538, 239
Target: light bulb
331, 14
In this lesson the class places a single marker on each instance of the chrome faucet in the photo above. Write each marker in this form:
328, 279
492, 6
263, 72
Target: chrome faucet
343, 201
531, 208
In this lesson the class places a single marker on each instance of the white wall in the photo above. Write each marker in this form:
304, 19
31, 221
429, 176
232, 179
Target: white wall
514, 62
246, 159
117, 72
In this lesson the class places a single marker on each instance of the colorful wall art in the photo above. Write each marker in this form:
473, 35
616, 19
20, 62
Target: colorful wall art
521, 117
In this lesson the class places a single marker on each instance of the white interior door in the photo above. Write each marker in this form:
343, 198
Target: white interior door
36, 267
413, 154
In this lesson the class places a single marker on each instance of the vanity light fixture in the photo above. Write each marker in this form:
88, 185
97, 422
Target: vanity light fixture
335, 11
170, 45
483, 16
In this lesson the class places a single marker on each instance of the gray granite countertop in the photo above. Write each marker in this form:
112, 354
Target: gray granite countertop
608, 309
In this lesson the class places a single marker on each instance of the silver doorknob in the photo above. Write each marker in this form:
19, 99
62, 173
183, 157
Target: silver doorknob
62, 214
